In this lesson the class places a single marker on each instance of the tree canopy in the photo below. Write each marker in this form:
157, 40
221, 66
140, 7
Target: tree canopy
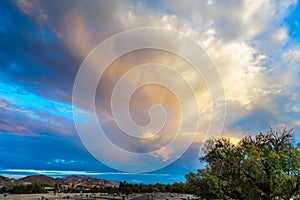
264, 166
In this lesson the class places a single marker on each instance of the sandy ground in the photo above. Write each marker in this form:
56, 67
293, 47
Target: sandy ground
39, 196
160, 196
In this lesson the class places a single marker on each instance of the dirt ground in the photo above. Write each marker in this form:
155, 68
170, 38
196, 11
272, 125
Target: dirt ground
90, 196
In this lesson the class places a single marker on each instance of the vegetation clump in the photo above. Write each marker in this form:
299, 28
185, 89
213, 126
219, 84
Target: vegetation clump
264, 166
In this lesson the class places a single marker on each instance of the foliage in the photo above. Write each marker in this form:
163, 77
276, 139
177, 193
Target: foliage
261, 167
129, 188
32, 188
3, 190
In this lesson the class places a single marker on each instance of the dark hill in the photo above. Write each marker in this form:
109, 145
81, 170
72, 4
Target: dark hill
84, 180
7, 182
41, 179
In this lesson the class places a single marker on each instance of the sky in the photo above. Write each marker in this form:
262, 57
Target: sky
255, 46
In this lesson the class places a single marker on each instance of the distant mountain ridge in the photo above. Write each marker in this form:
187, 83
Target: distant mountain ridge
7, 182
41, 179
86, 181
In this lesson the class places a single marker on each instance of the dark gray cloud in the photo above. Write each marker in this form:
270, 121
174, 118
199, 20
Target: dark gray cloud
33, 56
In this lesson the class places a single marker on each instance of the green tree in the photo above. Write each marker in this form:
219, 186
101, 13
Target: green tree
3, 190
33, 188
260, 167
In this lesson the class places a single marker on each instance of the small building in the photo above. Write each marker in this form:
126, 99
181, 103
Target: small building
50, 189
